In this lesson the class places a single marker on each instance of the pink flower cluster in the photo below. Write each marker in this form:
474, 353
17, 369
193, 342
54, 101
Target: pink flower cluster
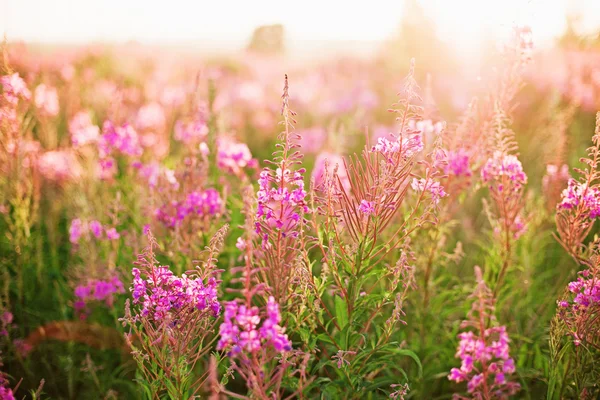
458, 163
486, 363
6, 393
233, 156
79, 228
193, 131
46, 100
97, 290
200, 203
367, 207
281, 206
433, 187
13, 88
123, 139
240, 332
580, 195
501, 167
409, 146
150, 116
585, 300
82, 130
59, 165
162, 295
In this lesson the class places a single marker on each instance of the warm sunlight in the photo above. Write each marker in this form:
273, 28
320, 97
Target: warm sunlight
279, 200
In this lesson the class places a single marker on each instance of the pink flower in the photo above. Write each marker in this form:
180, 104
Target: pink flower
14, 87
366, 207
96, 228
458, 163
580, 195
150, 116
504, 166
46, 100
59, 165
76, 230
82, 130
435, 189
240, 333
233, 156
112, 234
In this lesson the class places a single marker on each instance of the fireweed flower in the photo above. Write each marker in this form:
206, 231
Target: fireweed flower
123, 139
13, 88
46, 100
366, 207
76, 230
233, 156
112, 234
96, 228
408, 146
150, 116
501, 170
281, 200
580, 195
161, 294
458, 163
59, 165
82, 130
240, 332
97, 290
579, 308
433, 187
207, 203
486, 364
485, 361
194, 130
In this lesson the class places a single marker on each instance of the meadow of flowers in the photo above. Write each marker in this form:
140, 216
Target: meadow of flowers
252, 227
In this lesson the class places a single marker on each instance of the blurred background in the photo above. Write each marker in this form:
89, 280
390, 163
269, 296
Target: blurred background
466, 25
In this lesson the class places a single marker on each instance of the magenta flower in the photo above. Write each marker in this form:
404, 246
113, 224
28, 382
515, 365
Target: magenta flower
14, 87
504, 166
433, 187
233, 156
366, 207
580, 195
112, 234
458, 163
240, 332
409, 146
76, 229
97, 290
485, 359
162, 294
95, 228
123, 139
281, 200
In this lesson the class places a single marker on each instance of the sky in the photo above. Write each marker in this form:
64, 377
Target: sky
462, 22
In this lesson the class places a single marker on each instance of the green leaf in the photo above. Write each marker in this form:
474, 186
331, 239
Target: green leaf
413, 355
341, 312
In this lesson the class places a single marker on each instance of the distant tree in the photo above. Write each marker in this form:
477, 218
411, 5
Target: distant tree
268, 39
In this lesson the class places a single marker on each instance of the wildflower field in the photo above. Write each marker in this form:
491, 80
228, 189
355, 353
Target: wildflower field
248, 226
